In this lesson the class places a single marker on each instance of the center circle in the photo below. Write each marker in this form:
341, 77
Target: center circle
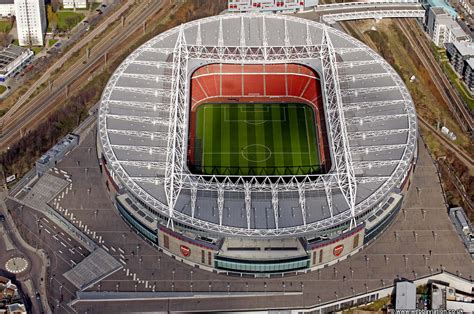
256, 152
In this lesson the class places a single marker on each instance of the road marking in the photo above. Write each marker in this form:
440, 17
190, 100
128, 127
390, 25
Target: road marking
122, 256
106, 248
123, 252
46, 220
113, 249
60, 252
123, 262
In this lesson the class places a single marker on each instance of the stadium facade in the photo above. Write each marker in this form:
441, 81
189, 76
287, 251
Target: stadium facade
245, 221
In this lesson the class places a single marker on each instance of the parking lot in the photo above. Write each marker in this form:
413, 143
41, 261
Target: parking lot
421, 241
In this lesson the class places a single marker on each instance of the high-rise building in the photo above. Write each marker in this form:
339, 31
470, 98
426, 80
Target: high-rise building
31, 22
75, 4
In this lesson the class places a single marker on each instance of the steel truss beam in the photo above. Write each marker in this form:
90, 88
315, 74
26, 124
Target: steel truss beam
337, 126
353, 64
375, 164
154, 106
376, 148
140, 119
144, 164
155, 64
363, 76
142, 149
372, 104
176, 156
372, 119
144, 134
143, 90
362, 135
149, 77
366, 90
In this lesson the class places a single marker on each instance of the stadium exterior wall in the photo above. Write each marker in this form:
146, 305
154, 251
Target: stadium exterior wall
206, 249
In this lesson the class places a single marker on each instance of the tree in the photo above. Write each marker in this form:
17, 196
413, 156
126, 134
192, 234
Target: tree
70, 21
55, 4
52, 18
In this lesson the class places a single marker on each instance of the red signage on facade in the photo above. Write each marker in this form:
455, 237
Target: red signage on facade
338, 250
185, 250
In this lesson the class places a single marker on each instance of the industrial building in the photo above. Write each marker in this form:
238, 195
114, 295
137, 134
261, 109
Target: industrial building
269, 5
12, 60
74, 4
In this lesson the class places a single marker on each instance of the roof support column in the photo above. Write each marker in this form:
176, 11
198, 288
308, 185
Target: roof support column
275, 204
302, 201
193, 201
328, 191
220, 203
248, 202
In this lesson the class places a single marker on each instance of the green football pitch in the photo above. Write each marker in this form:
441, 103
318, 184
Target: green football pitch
255, 139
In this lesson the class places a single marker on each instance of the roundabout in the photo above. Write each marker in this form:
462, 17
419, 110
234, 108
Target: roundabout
16, 265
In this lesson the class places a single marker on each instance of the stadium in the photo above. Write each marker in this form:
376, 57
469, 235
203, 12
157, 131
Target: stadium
256, 144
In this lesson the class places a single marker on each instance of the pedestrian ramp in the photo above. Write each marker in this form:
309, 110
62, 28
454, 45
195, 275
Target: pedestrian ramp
47, 187
92, 269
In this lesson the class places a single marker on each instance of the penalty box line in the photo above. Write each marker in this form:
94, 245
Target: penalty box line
267, 108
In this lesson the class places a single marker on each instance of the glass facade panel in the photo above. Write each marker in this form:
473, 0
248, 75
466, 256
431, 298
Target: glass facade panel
262, 267
149, 234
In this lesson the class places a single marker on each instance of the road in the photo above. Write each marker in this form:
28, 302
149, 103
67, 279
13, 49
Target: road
45, 102
450, 96
35, 269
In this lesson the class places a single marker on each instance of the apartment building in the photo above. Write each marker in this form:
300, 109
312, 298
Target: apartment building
443, 29
31, 22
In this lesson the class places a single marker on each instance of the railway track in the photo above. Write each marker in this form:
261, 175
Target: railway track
60, 62
463, 156
455, 104
47, 101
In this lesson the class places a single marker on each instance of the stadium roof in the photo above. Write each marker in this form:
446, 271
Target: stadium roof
142, 127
